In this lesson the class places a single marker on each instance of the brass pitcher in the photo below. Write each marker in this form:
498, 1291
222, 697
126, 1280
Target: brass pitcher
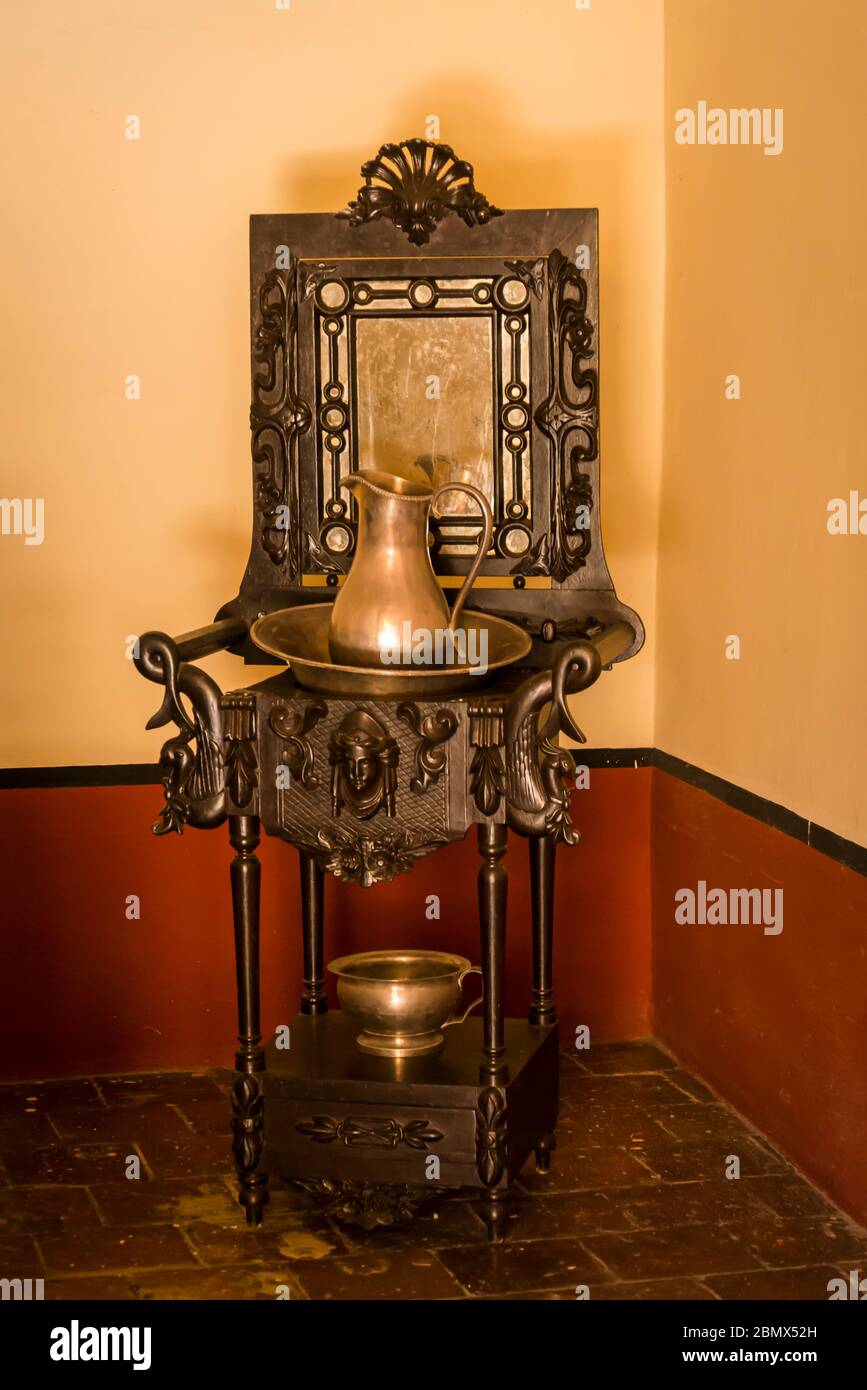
392, 580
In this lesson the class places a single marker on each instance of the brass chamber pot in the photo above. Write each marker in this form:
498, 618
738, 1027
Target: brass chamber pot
404, 1000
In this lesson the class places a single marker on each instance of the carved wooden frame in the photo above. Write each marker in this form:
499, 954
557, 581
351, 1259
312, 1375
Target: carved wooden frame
562, 578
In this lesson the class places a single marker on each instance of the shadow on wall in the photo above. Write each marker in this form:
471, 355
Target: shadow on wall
519, 167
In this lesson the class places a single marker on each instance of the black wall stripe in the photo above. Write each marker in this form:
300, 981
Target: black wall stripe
846, 852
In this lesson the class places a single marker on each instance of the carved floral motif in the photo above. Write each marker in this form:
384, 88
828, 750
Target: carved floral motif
240, 755
491, 1135
487, 772
366, 1204
570, 418
369, 1133
415, 185
377, 858
248, 1121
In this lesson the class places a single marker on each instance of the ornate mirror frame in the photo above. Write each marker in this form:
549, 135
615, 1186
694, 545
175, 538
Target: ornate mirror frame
419, 242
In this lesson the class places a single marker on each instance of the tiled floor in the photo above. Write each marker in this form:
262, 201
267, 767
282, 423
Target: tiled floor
637, 1204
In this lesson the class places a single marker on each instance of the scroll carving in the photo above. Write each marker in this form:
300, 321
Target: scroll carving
570, 419
415, 185
433, 731
293, 728
278, 416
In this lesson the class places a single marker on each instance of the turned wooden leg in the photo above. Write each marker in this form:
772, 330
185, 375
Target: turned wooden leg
542, 858
495, 1214
491, 1116
248, 1116
314, 999
493, 885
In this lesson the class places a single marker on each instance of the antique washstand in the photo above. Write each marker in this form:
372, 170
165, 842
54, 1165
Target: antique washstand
420, 324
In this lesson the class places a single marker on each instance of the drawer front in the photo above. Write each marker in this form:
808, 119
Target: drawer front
390, 1144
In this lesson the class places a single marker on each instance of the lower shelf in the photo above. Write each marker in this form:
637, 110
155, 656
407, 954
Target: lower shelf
334, 1112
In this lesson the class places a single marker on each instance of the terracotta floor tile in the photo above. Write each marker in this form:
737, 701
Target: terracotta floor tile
21, 1096
73, 1163
566, 1295
187, 1156
207, 1116
387, 1274
622, 1058
636, 1089
789, 1284
777, 1242
168, 1086
115, 1251
556, 1215
587, 1168
517, 1265
606, 1127
789, 1195
48, 1210
673, 1251
118, 1124
306, 1238
172, 1201
231, 1285
26, 1129
636, 1206
100, 1288
687, 1204
696, 1123
681, 1162
651, 1290
691, 1086
20, 1258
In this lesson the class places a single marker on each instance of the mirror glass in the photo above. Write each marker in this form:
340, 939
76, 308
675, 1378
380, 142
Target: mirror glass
426, 401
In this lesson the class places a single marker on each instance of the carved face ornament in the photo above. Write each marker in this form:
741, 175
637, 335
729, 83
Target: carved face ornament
363, 766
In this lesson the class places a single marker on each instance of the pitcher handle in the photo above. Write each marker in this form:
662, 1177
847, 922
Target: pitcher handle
471, 970
463, 592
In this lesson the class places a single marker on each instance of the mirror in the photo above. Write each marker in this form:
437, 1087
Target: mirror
426, 402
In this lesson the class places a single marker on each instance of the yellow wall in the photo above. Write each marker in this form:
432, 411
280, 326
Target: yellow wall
124, 257
767, 278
